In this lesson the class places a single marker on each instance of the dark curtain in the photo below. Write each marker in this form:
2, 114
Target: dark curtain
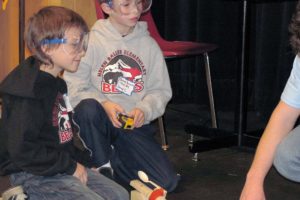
271, 56
268, 55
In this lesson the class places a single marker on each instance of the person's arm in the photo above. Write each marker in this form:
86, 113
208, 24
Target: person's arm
138, 117
158, 87
280, 124
27, 144
112, 109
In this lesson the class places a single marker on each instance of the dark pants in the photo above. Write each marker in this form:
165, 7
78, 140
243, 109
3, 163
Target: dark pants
128, 150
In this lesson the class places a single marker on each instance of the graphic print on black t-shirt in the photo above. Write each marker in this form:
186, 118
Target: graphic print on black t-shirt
61, 120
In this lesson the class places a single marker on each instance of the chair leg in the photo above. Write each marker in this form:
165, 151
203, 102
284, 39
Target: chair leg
211, 102
210, 91
163, 136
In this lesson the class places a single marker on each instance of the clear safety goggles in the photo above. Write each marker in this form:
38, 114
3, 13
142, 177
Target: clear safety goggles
71, 46
127, 6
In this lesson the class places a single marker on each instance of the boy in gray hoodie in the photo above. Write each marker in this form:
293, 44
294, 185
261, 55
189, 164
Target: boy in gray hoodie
123, 72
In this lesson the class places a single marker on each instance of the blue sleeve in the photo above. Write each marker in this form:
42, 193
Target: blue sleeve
291, 92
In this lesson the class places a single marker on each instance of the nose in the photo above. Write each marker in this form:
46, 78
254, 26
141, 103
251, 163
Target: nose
135, 8
82, 52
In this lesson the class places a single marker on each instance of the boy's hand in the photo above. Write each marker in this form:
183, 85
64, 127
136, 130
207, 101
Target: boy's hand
81, 173
112, 110
138, 117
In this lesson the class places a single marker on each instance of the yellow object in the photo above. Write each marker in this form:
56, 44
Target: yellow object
127, 122
4, 3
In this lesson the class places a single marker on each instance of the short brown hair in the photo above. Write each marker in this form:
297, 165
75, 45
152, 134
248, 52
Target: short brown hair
294, 29
48, 23
104, 1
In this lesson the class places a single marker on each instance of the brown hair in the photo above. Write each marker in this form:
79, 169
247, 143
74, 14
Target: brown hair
294, 29
48, 23
104, 1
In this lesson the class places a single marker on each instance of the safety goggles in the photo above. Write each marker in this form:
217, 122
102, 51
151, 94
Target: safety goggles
71, 46
127, 6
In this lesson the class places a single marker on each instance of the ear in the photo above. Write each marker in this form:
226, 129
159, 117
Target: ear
46, 50
106, 8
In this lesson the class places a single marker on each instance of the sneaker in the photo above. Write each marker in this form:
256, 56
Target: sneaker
107, 171
14, 193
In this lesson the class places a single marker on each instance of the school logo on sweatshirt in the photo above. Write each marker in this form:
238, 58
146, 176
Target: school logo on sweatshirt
61, 120
122, 72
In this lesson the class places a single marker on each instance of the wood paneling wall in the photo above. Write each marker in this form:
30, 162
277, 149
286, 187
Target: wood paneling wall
9, 26
9, 40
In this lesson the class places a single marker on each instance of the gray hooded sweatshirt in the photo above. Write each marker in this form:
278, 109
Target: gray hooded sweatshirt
130, 71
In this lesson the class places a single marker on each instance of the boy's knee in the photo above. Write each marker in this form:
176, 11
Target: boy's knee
171, 183
287, 162
281, 156
122, 193
87, 105
88, 109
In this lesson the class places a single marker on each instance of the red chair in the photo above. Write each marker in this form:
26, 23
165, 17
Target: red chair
177, 49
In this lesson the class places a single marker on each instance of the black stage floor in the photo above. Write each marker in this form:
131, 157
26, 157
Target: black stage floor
218, 174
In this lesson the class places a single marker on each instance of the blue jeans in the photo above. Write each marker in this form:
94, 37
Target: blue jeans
287, 156
67, 187
133, 150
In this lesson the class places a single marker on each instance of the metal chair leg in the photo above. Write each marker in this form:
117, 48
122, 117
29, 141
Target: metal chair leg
163, 136
210, 92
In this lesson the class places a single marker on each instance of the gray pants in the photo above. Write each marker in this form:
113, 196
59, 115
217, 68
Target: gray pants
287, 157
67, 187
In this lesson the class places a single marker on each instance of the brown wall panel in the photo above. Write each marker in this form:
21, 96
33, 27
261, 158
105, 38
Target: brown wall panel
9, 43
9, 26
87, 10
